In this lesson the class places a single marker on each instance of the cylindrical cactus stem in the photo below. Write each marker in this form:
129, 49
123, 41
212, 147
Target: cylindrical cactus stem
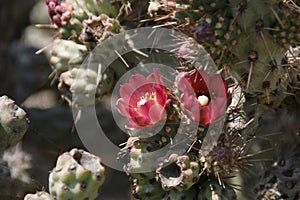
39, 196
78, 175
13, 123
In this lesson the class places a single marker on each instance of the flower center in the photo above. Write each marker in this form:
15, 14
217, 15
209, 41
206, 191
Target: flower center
203, 100
148, 96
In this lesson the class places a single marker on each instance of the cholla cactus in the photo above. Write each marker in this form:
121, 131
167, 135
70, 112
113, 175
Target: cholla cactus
77, 175
13, 123
243, 40
247, 43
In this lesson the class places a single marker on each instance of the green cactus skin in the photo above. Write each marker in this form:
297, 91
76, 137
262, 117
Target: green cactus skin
13, 123
190, 194
244, 40
210, 189
77, 175
145, 186
39, 196
66, 54
84, 82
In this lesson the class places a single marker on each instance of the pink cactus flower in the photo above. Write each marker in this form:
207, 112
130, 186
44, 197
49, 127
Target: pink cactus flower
204, 98
143, 100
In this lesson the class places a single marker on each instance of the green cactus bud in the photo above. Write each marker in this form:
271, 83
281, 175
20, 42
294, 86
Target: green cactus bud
13, 123
77, 175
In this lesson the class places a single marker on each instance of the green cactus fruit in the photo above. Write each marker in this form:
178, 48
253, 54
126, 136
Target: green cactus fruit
136, 151
181, 173
39, 196
83, 9
210, 189
141, 152
281, 180
13, 123
86, 82
98, 28
145, 186
66, 54
78, 175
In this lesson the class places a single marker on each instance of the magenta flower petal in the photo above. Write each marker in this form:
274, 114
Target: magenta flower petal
156, 113
143, 100
218, 86
198, 85
122, 107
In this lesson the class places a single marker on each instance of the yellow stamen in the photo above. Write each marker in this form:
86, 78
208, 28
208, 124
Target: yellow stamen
146, 97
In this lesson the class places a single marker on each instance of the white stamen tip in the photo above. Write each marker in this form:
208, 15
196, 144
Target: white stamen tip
142, 102
203, 100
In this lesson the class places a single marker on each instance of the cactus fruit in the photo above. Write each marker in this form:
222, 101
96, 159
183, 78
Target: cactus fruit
59, 13
98, 28
13, 123
39, 196
68, 17
65, 55
181, 174
81, 81
77, 175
